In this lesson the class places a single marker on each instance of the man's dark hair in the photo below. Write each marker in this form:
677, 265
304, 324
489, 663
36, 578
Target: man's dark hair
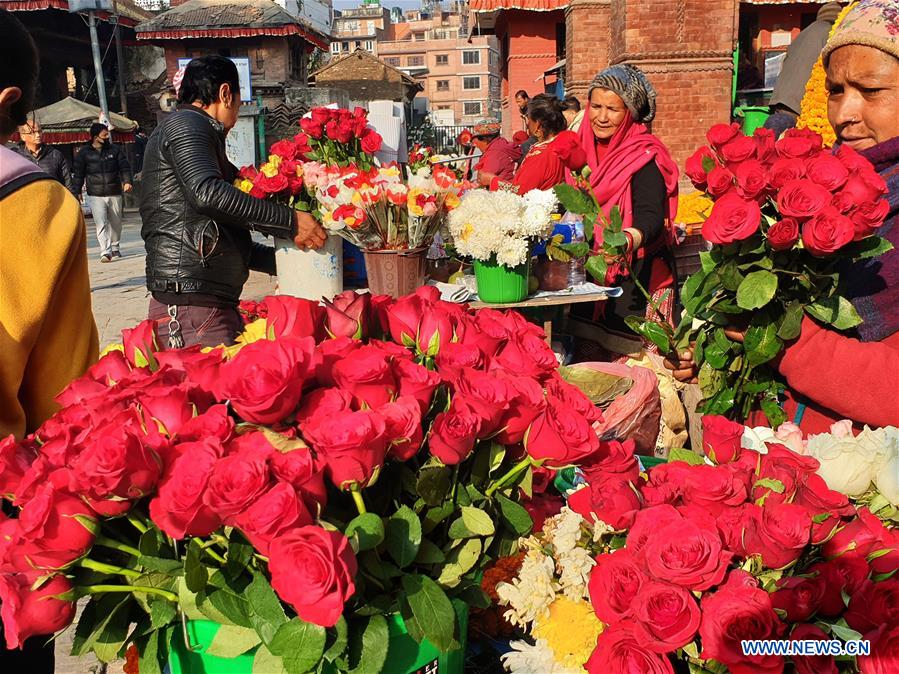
204, 76
547, 110
571, 103
18, 68
97, 128
521, 93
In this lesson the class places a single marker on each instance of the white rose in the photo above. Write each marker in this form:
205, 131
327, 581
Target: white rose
844, 467
756, 439
886, 478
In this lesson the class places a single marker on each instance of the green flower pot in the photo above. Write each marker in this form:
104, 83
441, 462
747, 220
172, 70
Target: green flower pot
404, 654
498, 284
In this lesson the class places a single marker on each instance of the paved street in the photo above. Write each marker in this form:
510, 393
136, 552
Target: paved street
117, 288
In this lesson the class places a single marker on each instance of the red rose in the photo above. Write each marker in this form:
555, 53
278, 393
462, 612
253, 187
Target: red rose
371, 141
313, 570
328, 354
827, 171
799, 597
687, 553
454, 432
298, 468
780, 534
797, 147
27, 611
802, 198
348, 314
714, 489
201, 368
573, 397
861, 535
140, 343
615, 582
668, 614
419, 320
353, 445
265, 379
272, 515
646, 522
869, 217
489, 330
752, 180
415, 381
721, 438
612, 501
827, 232
488, 395
54, 528
615, 460
695, 166
178, 507
622, 648
812, 664
367, 376
285, 149
561, 436
845, 574
783, 234
739, 610
873, 605
784, 170
527, 402
666, 484
271, 184
15, 460
405, 433
720, 181
294, 317
887, 560
732, 219
527, 356
455, 356
786, 467
113, 367
214, 422
320, 404
884, 658
720, 134
237, 481
864, 186
819, 499
765, 146
311, 128
738, 150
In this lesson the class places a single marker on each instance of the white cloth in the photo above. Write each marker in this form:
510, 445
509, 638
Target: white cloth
107, 212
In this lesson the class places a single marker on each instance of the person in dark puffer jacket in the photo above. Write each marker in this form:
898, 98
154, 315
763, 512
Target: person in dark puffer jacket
104, 168
196, 225
50, 160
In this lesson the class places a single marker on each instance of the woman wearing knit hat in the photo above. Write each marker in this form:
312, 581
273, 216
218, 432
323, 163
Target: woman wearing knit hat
633, 170
833, 375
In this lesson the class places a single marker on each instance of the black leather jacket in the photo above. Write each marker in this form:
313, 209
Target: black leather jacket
52, 162
196, 224
104, 170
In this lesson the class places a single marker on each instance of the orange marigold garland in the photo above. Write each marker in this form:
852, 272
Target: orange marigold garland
813, 113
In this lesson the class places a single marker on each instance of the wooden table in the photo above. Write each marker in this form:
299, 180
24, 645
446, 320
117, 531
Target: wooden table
543, 302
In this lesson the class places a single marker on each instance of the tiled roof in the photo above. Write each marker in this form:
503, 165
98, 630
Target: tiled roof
130, 13
528, 5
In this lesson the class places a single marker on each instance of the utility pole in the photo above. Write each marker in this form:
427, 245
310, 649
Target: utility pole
98, 64
120, 59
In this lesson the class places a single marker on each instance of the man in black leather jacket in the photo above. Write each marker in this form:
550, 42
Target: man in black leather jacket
196, 225
51, 161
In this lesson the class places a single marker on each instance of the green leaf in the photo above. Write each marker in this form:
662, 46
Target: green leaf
368, 529
195, 574
368, 646
577, 249
230, 641
239, 554
845, 633
187, 602
403, 536
835, 311
573, 199
300, 645
872, 246
514, 516
153, 651
162, 612
711, 381
264, 609
266, 662
170, 566
654, 332
761, 343
226, 603
434, 482
99, 613
770, 483
477, 521
431, 609
757, 289
428, 553
339, 634
685, 455
597, 267
708, 164
773, 412
459, 562
731, 278
792, 322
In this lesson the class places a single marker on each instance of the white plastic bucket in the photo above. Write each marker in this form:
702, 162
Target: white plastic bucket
310, 274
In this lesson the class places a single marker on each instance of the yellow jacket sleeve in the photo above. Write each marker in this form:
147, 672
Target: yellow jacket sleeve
47, 332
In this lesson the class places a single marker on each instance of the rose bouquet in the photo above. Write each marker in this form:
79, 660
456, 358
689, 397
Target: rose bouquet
689, 560
339, 465
788, 216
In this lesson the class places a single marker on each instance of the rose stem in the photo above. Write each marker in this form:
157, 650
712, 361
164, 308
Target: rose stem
101, 589
517, 469
360, 503
105, 542
108, 568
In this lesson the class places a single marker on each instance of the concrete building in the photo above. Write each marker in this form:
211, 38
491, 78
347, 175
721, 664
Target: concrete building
360, 28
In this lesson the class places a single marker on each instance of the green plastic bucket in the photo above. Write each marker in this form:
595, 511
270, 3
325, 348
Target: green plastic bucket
753, 117
501, 285
404, 654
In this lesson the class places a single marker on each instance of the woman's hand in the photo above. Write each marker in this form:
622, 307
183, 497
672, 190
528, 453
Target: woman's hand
684, 368
634, 241
309, 233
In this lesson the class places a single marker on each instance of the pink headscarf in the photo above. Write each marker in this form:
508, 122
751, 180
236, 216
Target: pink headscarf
629, 150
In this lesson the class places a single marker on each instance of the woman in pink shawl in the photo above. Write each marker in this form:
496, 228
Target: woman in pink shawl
633, 170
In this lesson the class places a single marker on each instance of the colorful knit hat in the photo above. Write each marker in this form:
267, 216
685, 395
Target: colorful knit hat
487, 127
631, 84
871, 23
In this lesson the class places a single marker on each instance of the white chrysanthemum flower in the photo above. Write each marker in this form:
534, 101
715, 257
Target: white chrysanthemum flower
531, 593
537, 659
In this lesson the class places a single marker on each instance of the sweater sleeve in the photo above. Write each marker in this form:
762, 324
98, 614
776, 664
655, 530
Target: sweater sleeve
857, 380
648, 197
49, 337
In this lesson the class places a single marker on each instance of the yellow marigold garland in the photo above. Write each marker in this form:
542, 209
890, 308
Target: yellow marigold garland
813, 113
693, 209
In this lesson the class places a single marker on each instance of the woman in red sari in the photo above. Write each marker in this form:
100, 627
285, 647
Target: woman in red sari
556, 154
633, 170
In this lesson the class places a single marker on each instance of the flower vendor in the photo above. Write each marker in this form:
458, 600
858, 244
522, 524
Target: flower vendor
555, 154
833, 374
196, 224
632, 169
499, 157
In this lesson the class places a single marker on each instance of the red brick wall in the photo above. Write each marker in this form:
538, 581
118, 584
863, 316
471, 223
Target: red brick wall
588, 34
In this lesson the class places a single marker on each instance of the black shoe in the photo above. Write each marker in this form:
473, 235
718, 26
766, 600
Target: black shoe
116, 254
105, 258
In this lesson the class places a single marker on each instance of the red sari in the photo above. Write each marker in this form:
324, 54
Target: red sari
547, 164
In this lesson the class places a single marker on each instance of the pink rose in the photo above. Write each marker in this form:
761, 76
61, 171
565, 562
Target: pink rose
29, 611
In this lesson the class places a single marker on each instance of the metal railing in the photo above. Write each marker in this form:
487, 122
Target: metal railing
443, 139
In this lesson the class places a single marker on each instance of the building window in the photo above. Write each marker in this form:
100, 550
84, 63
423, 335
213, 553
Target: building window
335, 47
442, 59
471, 58
471, 83
419, 37
471, 108
358, 44
392, 61
443, 107
415, 61
370, 27
345, 46
442, 85
369, 45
